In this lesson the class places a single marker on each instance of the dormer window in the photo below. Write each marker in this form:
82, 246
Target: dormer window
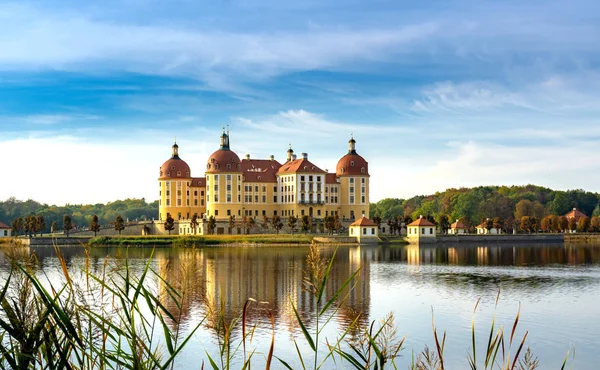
352, 163
161, 173
216, 166
169, 173
172, 168
362, 170
228, 166
178, 173
342, 169
232, 160
212, 160
187, 173
259, 178
238, 166
208, 166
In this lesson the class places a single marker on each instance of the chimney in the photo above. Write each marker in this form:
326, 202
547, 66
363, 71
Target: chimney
293, 157
248, 156
574, 209
420, 216
305, 156
272, 157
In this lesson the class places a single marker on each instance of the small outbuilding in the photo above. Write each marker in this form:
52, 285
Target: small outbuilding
575, 214
5, 230
421, 231
457, 228
364, 230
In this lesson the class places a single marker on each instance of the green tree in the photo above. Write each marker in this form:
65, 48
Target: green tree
94, 225
119, 224
67, 224
194, 222
292, 220
306, 223
561, 203
169, 223
443, 223
277, 224
212, 222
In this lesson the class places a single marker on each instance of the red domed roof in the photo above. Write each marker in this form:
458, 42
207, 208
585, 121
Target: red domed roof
174, 167
352, 164
223, 160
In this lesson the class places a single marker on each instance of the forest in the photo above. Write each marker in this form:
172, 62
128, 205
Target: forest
473, 205
81, 214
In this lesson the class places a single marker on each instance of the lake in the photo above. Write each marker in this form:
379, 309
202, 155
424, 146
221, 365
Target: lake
557, 287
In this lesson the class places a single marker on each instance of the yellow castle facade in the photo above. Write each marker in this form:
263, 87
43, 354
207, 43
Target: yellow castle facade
262, 188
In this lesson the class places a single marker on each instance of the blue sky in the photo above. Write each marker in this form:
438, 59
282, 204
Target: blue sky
438, 94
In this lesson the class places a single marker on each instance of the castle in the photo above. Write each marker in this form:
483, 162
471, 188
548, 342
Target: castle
262, 188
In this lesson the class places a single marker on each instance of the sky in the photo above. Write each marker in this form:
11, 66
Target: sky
438, 94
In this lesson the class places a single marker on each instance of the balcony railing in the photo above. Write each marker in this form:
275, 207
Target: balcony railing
312, 202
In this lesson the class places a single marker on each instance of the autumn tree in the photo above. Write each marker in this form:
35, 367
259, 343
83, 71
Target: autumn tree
169, 223
194, 222
40, 224
292, 220
329, 222
595, 224
306, 223
572, 224
54, 227
547, 223
250, 224
534, 224
488, 224
525, 224
119, 224
583, 224
377, 220
265, 222
94, 225
67, 224
211, 224
277, 224
497, 224
231, 223
563, 224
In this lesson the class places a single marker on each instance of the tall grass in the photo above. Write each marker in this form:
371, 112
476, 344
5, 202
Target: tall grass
114, 319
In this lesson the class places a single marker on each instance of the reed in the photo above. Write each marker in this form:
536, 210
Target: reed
115, 319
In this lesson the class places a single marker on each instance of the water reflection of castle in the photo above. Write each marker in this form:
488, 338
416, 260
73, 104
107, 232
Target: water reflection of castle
214, 278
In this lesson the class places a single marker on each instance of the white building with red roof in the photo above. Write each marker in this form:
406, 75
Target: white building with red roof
364, 230
421, 231
5, 230
457, 228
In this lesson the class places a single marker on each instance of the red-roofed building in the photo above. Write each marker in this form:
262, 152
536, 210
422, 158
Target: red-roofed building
5, 230
263, 187
457, 228
421, 230
364, 230
576, 214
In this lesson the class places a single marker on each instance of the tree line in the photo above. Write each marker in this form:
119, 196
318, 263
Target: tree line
22, 214
523, 208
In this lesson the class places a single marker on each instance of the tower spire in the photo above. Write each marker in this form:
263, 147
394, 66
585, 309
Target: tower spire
175, 150
352, 145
